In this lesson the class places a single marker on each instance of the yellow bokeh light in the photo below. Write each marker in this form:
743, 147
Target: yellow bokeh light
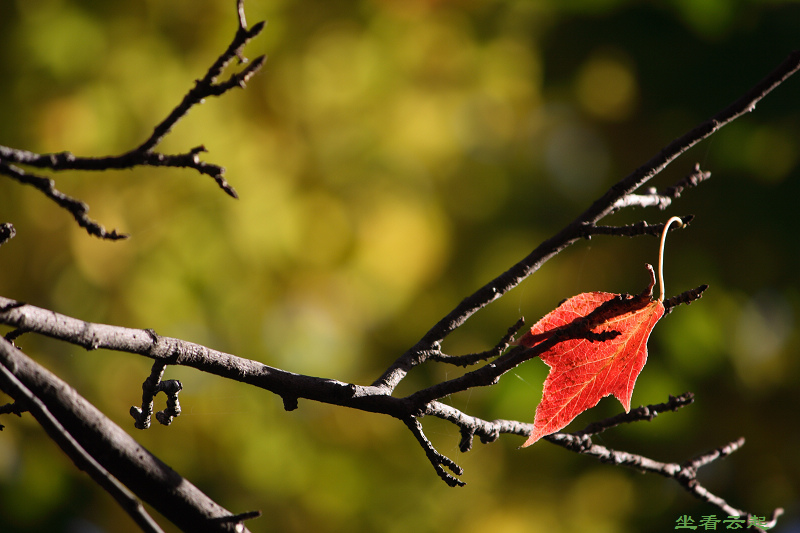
402, 243
606, 87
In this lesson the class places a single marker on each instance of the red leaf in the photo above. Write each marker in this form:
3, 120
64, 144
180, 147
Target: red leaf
583, 371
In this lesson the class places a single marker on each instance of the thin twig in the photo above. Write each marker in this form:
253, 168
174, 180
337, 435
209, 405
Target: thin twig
473, 358
77, 208
685, 297
579, 328
572, 232
580, 442
631, 230
663, 199
645, 412
143, 155
438, 460
12, 408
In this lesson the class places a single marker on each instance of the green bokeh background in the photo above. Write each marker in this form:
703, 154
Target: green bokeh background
392, 157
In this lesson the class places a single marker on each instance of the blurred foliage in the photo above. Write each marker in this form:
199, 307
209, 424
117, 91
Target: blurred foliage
392, 157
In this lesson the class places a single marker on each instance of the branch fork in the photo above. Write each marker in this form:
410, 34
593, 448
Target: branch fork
87, 435
12, 160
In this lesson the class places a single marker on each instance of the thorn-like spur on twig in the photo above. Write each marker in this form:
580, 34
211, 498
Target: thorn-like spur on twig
152, 386
438, 460
472, 358
7, 233
14, 334
693, 179
236, 518
12, 408
663, 199
290, 403
685, 297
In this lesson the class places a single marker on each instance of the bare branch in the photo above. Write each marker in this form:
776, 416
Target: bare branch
472, 358
143, 155
663, 199
579, 328
647, 412
111, 447
16, 389
631, 230
572, 232
77, 208
685, 297
373, 399
580, 442
167, 350
685, 474
208, 85
438, 460
60, 410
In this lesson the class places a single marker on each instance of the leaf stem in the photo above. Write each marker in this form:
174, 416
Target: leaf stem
661, 254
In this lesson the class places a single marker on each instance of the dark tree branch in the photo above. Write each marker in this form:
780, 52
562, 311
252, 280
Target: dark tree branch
438, 460
632, 230
172, 351
685, 297
12, 408
109, 445
579, 328
143, 155
120, 457
663, 199
372, 399
238, 518
17, 390
77, 208
647, 412
580, 442
572, 232
472, 358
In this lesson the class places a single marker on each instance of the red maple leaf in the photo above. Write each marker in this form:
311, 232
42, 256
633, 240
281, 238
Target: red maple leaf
605, 359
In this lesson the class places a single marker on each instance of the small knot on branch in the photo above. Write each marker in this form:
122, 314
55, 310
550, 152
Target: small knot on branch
490, 436
289, 403
7, 233
467, 435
